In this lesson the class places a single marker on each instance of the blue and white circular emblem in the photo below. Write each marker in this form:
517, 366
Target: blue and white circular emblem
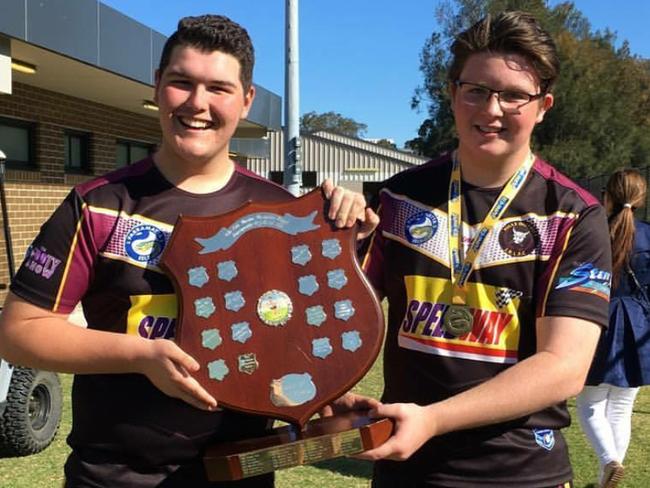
144, 243
421, 227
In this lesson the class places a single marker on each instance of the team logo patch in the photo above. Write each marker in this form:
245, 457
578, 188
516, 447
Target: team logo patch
144, 243
421, 227
518, 238
587, 278
544, 438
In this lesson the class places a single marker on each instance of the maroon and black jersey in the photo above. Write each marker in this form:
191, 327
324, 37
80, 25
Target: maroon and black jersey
102, 247
548, 255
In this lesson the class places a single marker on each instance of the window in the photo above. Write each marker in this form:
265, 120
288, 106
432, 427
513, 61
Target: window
127, 152
76, 152
17, 142
309, 179
276, 176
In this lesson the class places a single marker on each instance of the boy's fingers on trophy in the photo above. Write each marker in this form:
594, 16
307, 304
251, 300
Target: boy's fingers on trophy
368, 225
193, 393
328, 187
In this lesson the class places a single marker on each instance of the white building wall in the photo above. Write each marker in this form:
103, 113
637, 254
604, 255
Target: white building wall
346, 161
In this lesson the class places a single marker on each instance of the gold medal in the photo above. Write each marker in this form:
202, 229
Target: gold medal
458, 320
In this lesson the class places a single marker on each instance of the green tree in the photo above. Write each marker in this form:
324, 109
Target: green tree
332, 122
601, 118
386, 143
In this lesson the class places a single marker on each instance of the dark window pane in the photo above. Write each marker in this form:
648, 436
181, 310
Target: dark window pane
121, 154
276, 176
14, 141
76, 156
138, 153
309, 179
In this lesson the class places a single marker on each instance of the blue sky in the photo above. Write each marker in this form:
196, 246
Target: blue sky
359, 57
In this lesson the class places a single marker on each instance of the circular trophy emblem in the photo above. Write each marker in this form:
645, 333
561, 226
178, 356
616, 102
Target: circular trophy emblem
518, 238
274, 308
458, 320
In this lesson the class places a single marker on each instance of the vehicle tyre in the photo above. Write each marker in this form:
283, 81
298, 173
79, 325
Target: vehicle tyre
33, 413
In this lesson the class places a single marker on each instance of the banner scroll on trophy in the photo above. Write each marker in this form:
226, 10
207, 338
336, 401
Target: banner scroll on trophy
275, 308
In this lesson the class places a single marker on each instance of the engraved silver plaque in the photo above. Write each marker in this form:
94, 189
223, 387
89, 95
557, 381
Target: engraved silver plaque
307, 285
217, 370
343, 309
315, 315
321, 348
292, 390
351, 341
234, 300
211, 339
336, 279
300, 254
197, 276
331, 248
227, 270
241, 332
204, 307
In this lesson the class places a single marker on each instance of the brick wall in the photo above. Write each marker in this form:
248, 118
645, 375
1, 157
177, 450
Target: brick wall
33, 195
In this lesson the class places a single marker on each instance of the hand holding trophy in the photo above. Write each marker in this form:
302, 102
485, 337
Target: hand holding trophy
276, 310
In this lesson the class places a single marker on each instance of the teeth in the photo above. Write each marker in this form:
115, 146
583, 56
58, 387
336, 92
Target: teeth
195, 123
489, 129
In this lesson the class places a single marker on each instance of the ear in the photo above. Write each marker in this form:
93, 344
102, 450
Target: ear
249, 96
544, 106
156, 85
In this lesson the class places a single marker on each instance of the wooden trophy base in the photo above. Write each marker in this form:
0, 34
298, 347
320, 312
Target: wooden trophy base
321, 439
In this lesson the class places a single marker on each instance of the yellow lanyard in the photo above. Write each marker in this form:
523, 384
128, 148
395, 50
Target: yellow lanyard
460, 271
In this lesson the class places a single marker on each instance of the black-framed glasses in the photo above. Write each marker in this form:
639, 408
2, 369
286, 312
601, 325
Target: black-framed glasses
510, 101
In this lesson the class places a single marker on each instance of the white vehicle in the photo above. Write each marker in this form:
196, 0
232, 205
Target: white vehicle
30, 399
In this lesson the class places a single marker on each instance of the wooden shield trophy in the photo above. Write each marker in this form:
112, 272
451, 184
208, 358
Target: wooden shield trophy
276, 310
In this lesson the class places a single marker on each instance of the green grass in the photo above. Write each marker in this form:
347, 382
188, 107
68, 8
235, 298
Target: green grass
45, 470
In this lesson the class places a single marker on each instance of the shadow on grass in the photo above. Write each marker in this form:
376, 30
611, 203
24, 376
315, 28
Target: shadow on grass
347, 467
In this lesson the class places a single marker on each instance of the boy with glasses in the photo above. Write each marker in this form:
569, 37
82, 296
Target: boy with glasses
497, 271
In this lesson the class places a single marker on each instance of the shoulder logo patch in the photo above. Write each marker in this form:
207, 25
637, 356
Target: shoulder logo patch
518, 238
144, 243
421, 227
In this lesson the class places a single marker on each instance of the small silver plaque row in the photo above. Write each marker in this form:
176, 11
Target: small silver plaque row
198, 276
301, 254
322, 347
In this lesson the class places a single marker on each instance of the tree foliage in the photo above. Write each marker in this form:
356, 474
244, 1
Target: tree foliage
601, 117
332, 122
388, 144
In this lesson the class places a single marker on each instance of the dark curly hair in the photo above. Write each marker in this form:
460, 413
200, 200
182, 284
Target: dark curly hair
213, 33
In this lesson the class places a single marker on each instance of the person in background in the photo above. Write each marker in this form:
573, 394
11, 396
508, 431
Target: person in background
622, 361
496, 269
140, 419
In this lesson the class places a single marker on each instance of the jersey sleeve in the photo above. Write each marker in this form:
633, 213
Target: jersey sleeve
578, 278
58, 265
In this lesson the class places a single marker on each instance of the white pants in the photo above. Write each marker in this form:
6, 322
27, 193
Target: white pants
605, 414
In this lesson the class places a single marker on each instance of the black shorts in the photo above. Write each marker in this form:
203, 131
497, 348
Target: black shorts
97, 472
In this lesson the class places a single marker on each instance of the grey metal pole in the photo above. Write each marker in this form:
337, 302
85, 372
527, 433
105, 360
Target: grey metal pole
292, 147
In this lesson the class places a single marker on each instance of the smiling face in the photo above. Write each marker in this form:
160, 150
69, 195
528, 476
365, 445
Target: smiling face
487, 135
201, 100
